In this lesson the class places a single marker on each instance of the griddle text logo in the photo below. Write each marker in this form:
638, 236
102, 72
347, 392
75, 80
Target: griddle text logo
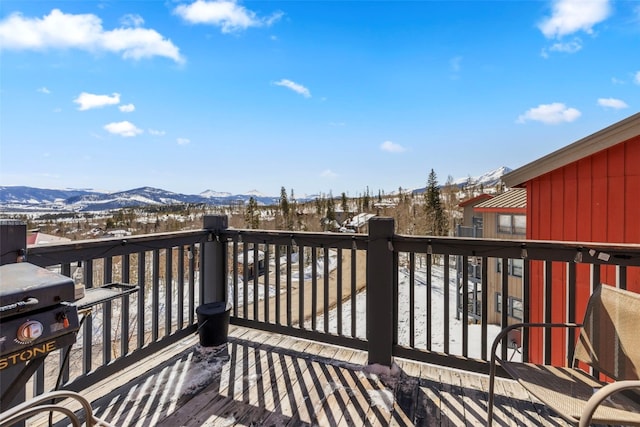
27, 354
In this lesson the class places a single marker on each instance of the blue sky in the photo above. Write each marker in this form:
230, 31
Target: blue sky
315, 96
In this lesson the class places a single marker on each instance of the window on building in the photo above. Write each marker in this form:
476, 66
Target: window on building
515, 267
514, 308
519, 224
512, 224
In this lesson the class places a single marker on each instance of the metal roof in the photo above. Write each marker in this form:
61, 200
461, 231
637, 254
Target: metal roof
475, 200
601, 140
514, 199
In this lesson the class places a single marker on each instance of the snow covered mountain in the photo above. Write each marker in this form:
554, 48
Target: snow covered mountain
211, 194
37, 199
488, 179
30, 199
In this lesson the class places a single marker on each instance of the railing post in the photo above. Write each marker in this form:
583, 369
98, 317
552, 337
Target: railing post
13, 248
380, 291
215, 259
13, 241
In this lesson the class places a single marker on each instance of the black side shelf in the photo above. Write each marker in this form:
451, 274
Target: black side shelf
108, 292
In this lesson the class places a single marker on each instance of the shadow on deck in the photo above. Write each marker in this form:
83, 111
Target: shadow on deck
265, 379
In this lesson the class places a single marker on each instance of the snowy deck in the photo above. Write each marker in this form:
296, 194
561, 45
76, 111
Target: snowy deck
274, 380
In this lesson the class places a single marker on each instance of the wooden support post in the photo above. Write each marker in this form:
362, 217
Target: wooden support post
380, 291
215, 259
13, 241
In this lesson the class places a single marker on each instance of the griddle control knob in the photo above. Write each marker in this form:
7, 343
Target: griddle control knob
29, 331
62, 318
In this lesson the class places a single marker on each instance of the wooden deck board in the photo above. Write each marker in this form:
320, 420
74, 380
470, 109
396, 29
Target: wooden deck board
265, 379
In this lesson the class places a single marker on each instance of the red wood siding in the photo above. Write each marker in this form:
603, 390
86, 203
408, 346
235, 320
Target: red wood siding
596, 199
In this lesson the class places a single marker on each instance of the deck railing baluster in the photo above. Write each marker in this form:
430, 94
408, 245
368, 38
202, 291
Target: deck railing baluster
168, 291
314, 287
155, 296
339, 292
125, 316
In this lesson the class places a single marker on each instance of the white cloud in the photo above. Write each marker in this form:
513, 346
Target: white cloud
298, 88
127, 108
155, 132
568, 47
44, 90
617, 81
636, 79
226, 14
123, 129
328, 173
571, 16
87, 101
183, 141
392, 147
131, 20
612, 103
553, 113
84, 32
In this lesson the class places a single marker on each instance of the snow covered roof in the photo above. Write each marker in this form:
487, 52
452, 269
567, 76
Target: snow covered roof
358, 220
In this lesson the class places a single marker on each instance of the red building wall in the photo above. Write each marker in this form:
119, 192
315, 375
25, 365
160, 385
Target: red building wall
595, 199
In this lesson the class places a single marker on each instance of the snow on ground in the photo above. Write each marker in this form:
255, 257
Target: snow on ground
295, 276
420, 315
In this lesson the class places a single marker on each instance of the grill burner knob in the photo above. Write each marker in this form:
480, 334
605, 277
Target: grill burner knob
29, 331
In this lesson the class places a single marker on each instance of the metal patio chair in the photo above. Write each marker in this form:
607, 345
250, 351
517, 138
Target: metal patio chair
608, 343
46, 403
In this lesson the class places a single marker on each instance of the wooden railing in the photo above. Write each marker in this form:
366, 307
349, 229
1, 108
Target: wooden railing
114, 334
388, 294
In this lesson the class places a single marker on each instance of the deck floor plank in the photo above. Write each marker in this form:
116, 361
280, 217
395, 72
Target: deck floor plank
429, 398
266, 379
475, 398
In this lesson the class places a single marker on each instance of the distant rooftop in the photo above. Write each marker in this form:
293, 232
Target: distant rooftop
475, 200
514, 200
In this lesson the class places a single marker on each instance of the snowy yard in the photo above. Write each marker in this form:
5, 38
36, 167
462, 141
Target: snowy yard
421, 314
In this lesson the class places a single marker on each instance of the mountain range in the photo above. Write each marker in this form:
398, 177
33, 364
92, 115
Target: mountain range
38, 199
29, 199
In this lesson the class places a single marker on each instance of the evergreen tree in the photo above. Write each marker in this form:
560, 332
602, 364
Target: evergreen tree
319, 205
331, 208
366, 200
450, 199
293, 211
436, 221
345, 205
252, 216
284, 208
